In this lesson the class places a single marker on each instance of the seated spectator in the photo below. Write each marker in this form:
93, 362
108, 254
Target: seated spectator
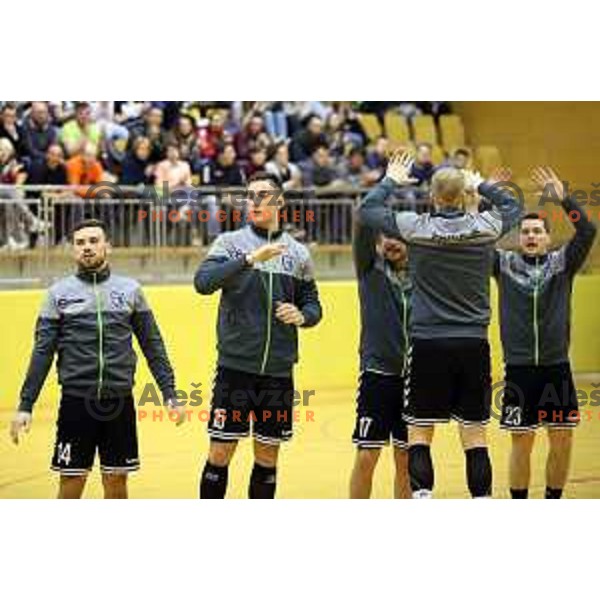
170, 111
320, 171
378, 157
184, 136
356, 173
354, 131
81, 131
11, 130
275, 118
38, 131
225, 170
253, 134
50, 169
115, 150
258, 160
11, 170
460, 159
152, 129
334, 132
308, 139
211, 138
287, 174
137, 168
344, 131
85, 169
173, 171
423, 168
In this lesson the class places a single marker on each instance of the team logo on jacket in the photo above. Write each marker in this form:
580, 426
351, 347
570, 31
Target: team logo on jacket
118, 300
236, 252
63, 303
287, 263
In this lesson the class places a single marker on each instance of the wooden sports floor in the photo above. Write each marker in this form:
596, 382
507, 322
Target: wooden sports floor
315, 464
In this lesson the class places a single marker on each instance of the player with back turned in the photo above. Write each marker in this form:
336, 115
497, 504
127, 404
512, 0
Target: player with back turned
88, 320
268, 291
451, 255
384, 294
535, 286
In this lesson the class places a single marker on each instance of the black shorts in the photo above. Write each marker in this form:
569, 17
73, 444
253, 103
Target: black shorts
87, 424
539, 395
379, 411
245, 401
448, 379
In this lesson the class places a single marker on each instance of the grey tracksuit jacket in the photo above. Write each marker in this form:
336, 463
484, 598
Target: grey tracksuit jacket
249, 336
535, 297
384, 298
88, 319
451, 259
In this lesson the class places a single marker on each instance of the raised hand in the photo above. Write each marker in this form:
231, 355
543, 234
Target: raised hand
398, 169
545, 177
473, 180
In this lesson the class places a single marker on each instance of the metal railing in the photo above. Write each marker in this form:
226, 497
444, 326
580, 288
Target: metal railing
146, 227
147, 220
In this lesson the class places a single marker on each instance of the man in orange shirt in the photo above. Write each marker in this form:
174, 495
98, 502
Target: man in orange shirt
84, 170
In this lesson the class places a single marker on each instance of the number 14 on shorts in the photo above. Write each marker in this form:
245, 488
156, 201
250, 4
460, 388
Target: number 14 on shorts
63, 452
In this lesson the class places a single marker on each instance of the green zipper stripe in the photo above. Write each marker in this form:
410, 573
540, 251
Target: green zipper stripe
269, 317
100, 337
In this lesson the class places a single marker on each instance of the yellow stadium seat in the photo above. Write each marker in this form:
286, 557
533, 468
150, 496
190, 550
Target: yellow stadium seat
487, 158
396, 128
371, 125
452, 132
425, 131
438, 155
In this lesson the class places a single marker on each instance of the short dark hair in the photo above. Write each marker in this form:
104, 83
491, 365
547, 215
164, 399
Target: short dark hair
81, 105
275, 148
264, 176
356, 151
320, 147
537, 216
462, 152
309, 117
89, 223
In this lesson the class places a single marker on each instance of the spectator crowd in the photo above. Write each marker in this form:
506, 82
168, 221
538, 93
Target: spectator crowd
304, 145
